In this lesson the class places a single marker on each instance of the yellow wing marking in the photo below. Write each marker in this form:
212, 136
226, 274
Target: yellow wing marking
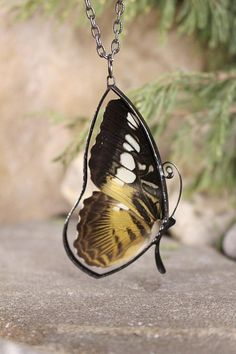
108, 233
124, 194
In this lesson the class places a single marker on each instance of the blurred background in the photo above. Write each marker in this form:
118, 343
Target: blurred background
177, 63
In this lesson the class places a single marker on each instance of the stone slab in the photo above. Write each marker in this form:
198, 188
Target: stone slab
49, 305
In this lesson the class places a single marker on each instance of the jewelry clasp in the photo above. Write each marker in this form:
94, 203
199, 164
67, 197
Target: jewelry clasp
110, 77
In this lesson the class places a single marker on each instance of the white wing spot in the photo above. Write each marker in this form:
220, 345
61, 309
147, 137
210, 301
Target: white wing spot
127, 147
132, 142
151, 169
131, 126
122, 206
150, 184
125, 175
142, 167
127, 161
132, 120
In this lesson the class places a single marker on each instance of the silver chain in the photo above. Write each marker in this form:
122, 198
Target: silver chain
96, 33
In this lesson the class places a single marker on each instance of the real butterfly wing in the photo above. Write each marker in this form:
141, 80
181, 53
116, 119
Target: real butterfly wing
122, 157
123, 167
103, 240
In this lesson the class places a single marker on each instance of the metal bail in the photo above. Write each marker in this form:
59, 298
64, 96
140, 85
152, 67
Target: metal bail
110, 77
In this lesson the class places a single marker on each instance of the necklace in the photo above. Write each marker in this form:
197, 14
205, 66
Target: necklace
123, 207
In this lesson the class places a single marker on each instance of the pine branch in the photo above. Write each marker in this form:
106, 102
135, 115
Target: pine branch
205, 105
61, 9
79, 128
212, 21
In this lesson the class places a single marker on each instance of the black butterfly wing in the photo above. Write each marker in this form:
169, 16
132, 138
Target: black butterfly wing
117, 221
122, 154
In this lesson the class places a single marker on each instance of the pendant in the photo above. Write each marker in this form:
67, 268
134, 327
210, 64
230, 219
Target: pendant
123, 206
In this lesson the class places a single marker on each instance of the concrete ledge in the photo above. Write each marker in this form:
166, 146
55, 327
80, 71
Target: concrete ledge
52, 307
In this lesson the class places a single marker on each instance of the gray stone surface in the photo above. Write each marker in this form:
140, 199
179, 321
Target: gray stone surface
47, 304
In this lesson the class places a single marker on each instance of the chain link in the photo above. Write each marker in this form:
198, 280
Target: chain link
96, 33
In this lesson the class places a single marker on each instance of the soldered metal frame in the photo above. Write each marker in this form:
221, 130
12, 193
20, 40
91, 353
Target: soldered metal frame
166, 172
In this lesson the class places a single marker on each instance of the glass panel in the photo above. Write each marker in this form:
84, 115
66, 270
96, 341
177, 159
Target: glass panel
121, 209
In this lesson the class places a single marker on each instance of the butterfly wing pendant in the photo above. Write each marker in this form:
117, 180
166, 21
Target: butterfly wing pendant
123, 207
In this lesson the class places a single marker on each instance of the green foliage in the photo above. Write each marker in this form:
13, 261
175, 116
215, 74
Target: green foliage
212, 21
60, 8
203, 104
79, 128
205, 107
